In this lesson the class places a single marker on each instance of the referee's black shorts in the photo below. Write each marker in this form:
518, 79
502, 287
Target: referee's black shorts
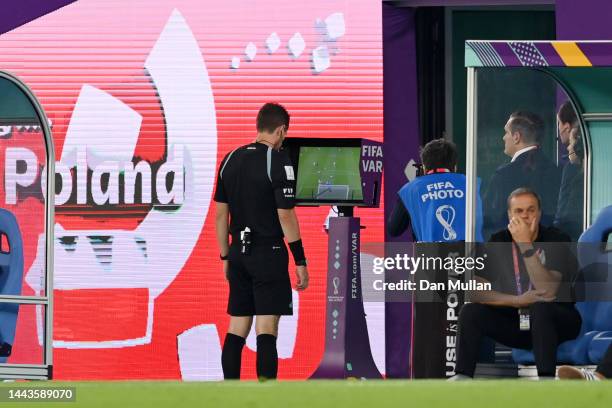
259, 282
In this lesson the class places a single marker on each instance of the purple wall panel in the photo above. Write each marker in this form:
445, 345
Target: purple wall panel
401, 143
18, 12
583, 20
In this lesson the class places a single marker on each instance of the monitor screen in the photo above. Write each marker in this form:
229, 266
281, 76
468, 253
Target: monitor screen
328, 174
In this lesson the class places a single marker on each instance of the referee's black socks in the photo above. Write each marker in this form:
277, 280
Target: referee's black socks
267, 357
232, 356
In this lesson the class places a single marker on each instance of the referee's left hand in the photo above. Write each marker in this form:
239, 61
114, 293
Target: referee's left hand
302, 277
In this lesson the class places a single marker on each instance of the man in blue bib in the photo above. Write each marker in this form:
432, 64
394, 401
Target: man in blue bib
433, 205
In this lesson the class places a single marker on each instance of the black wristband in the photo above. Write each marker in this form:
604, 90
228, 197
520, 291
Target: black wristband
297, 250
224, 258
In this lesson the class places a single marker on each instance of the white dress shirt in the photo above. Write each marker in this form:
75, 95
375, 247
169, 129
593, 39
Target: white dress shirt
523, 150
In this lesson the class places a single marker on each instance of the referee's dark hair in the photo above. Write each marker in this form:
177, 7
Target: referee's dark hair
271, 116
439, 153
528, 124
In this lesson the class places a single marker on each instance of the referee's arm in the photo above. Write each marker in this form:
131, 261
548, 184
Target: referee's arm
222, 220
283, 184
291, 230
222, 227
289, 223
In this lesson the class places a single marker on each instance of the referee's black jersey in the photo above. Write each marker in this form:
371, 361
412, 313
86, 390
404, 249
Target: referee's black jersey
254, 180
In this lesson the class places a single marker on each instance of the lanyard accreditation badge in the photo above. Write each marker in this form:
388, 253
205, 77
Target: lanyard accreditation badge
524, 322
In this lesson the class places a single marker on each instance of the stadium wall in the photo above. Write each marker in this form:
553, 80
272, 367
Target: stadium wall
401, 144
583, 20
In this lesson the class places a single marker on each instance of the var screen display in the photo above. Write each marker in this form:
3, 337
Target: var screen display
329, 173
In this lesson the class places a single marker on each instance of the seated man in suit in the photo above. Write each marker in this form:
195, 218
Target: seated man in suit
528, 167
531, 302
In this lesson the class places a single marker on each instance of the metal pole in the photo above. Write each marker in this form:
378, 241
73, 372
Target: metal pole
49, 219
588, 172
470, 172
470, 162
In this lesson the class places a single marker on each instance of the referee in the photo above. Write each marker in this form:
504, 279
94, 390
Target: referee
255, 206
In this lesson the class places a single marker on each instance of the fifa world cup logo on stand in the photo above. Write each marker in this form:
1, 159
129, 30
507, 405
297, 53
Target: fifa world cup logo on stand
336, 282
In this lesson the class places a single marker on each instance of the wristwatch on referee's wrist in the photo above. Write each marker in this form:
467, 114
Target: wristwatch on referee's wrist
224, 257
301, 263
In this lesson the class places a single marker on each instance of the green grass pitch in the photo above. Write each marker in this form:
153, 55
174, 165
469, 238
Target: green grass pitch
328, 165
348, 393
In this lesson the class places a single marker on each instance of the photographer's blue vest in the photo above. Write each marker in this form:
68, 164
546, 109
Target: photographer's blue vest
436, 204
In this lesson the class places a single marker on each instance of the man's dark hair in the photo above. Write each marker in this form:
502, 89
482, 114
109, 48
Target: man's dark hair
529, 125
567, 114
524, 191
271, 116
439, 153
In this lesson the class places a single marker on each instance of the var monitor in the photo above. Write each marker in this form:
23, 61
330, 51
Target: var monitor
333, 171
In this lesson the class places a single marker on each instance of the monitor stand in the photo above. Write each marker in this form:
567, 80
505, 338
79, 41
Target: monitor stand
347, 345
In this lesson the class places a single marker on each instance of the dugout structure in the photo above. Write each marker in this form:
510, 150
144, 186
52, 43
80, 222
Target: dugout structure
578, 71
540, 77
26, 226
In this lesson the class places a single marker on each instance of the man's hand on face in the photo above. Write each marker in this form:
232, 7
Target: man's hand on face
521, 230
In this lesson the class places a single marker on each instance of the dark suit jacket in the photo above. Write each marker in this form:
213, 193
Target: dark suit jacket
531, 169
571, 201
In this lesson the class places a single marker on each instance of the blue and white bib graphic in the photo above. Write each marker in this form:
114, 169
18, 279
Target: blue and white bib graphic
436, 205
445, 214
